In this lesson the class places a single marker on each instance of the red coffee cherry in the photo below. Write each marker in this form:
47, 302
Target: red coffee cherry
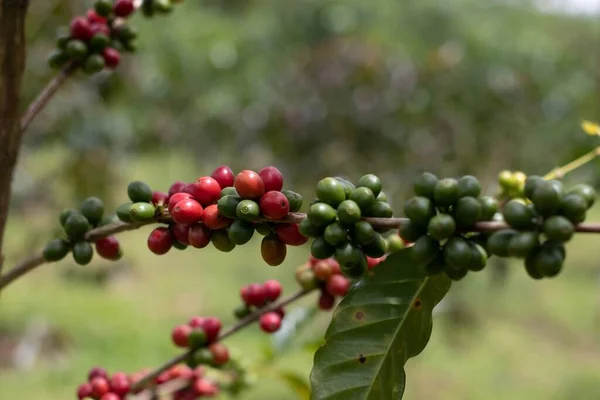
273, 250
110, 396
108, 248
181, 233
206, 190
254, 295
270, 322
249, 185
176, 198
323, 270
272, 178
213, 219
97, 372
290, 235
100, 387
84, 391
335, 266
119, 384
219, 352
180, 334
164, 377
160, 198
181, 371
177, 187
123, 8
187, 212
160, 241
199, 236
196, 322
272, 289
337, 285
205, 387
274, 205
326, 301
93, 17
211, 327
100, 29
224, 176
112, 59
81, 29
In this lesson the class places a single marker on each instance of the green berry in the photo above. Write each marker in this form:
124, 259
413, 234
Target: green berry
425, 185
76, 49
93, 64
262, 229
247, 210
307, 279
574, 208
419, 210
320, 249
467, 212
586, 191
63, 35
321, 214
295, 200
531, 183
93, 209
363, 196
220, 239
531, 266
548, 262
424, 249
178, 245
479, 257
441, 227
99, 42
348, 254
445, 192
489, 207
498, 242
382, 197
558, 186
505, 179
559, 247
103, 7
456, 274
309, 230
335, 234
457, 253
57, 59
138, 192
518, 215
227, 205
372, 182
523, 243
363, 233
331, 191
163, 6
56, 250
241, 311
355, 270
240, 232
83, 252
546, 199
410, 232
348, 186
377, 247
558, 228
228, 191
126, 32
108, 219
66, 213
469, 186
394, 243
348, 212
381, 210
76, 226
141, 212
123, 212
197, 339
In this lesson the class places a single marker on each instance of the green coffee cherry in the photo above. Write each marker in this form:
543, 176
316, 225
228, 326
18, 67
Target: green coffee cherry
348, 212
163, 6
377, 247
240, 232
548, 262
63, 35
469, 186
382, 197
123, 212
83, 252
335, 234
227, 205
93, 209
263, 229
321, 214
138, 192
505, 179
331, 191
546, 199
309, 230
381, 210
489, 207
363, 233
99, 42
355, 270
445, 193
220, 239
103, 7
363, 196
372, 182
321, 250
411, 232
247, 210
574, 208
93, 64
479, 257
558, 186
585, 191
558, 228
456, 274
467, 212
141, 212
56, 250
531, 183
457, 253
348, 186
197, 339
441, 227
518, 215
498, 242
76, 226
425, 185
523, 243
295, 200
241, 311
228, 191
178, 245
419, 210
424, 250
347, 254
531, 266
57, 59
66, 213
76, 49
394, 243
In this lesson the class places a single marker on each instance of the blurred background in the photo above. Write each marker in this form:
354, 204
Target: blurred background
315, 88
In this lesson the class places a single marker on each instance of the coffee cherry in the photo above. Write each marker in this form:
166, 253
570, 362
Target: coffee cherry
100, 387
240, 232
273, 250
362, 233
467, 212
93, 64
138, 191
110, 396
377, 247
84, 391
469, 186
335, 234
205, 388
531, 184
197, 338
381, 210
176, 198
546, 199
574, 207
457, 253
123, 212
187, 212
213, 219
83, 252
479, 257
294, 199
326, 301
272, 289
548, 262
227, 205
199, 236
558, 228
254, 295
180, 335
108, 248
93, 209
424, 250
206, 190
177, 187
249, 185
395, 243
441, 227
419, 210
57, 59
220, 239
586, 191
247, 210
321, 214
518, 215
220, 353
356, 269
76, 49
425, 185
363, 196
81, 29
181, 233
56, 250
112, 57
97, 372
124, 8
323, 270
445, 192
224, 176
160, 241
141, 212
523, 243
410, 232
337, 285
242, 311
372, 182
272, 178
274, 205
263, 229
489, 207
456, 274
499, 241
382, 197
103, 8
76, 226
270, 322
309, 230
229, 191
331, 191
98, 43
290, 235
347, 254
179, 246
306, 279
212, 327
348, 212
119, 384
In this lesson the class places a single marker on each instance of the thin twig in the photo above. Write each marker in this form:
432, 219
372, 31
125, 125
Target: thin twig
148, 380
560, 172
46, 94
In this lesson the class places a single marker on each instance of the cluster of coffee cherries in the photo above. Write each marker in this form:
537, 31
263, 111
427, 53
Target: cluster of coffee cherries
223, 209
75, 224
512, 184
440, 217
256, 296
335, 221
541, 221
102, 386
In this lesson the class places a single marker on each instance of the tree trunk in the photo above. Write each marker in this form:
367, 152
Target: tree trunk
12, 66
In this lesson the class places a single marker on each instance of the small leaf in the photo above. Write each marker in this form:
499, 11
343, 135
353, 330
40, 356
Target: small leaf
590, 128
385, 320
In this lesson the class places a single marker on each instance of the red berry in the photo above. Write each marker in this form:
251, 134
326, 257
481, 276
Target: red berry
205, 387
160, 240
373, 262
213, 219
179, 335
272, 289
219, 352
84, 391
223, 175
81, 29
199, 236
312, 260
97, 372
274, 205
272, 178
187, 212
159, 198
207, 190
176, 198
249, 185
196, 322
335, 266
164, 377
326, 301
181, 371
199, 371
119, 384
108, 248
177, 187
100, 29
337, 285
211, 327
323, 270
254, 295
181, 233
270, 322
290, 235
100, 387
112, 59
123, 8
110, 396
94, 18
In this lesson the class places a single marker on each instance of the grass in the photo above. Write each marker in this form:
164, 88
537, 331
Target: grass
525, 340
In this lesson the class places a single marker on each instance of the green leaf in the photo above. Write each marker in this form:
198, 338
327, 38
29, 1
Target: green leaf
385, 320
297, 383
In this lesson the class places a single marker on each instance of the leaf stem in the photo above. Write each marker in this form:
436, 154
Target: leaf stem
560, 172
